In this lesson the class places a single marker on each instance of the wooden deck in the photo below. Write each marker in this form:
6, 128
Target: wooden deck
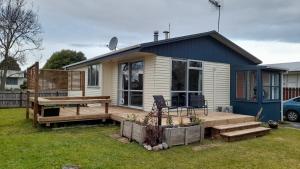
68, 114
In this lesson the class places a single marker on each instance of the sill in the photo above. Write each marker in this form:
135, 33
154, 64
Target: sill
93, 87
271, 101
248, 101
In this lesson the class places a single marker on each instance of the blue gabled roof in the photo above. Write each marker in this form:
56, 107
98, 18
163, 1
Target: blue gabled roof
140, 47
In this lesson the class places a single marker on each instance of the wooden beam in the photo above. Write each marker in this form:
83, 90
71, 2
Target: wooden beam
77, 109
83, 83
36, 93
106, 108
27, 104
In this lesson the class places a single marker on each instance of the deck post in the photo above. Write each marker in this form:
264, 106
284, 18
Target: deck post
83, 82
77, 109
106, 108
36, 92
27, 104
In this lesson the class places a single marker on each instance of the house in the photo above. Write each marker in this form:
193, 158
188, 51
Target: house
291, 79
14, 79
205, 63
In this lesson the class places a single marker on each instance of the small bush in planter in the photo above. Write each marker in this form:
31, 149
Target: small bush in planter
169, 120
153, 135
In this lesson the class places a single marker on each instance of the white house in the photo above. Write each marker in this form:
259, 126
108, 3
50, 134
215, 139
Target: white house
177, 68
14, 79
291, 79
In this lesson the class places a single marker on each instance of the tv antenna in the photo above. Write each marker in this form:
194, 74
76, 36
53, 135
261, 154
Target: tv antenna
217, 5
113, 43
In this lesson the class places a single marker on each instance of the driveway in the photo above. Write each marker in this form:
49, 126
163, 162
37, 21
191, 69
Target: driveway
295, 124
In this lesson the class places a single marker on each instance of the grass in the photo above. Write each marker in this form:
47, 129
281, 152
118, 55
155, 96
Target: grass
22, 146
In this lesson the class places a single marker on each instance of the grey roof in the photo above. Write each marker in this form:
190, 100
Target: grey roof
139, 47
291, 66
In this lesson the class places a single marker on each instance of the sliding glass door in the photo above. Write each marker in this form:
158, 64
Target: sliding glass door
186, 81
131, 76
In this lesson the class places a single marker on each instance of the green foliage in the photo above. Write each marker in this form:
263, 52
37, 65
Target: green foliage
22, 146
24, 85
132, 117
146, 120
63, 58
196, 120
10, 64
169, 120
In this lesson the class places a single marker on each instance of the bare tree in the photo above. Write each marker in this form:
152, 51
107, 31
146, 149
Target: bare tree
19, 33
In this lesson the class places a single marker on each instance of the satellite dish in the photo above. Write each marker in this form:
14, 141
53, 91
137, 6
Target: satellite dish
113, 43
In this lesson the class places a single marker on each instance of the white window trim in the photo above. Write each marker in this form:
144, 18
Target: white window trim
188, 67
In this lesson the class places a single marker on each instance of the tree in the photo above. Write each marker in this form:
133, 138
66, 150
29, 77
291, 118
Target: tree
10, 63
19, 33
63, 58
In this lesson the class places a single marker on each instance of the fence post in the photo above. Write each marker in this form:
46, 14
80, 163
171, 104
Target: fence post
21, 99
27, 104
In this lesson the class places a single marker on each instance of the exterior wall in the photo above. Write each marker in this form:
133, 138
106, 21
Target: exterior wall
291, 85
89, 90
291, 80
20, 82
15, 74
157, 79
204, 48
216, 84
157, 76
114, 75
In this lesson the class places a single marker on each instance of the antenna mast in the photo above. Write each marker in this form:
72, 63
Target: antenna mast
217, 5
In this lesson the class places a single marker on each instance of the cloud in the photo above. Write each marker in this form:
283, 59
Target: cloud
88, 25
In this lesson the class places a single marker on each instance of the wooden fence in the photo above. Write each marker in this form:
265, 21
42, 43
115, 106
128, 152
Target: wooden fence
19, 99
289, 93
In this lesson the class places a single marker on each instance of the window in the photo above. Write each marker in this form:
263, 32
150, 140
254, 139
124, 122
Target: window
12, 81
186, 81
131, 84
246, 85
93, 75
271, 86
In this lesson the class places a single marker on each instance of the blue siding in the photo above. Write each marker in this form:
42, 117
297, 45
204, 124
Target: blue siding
271, 109
204, 48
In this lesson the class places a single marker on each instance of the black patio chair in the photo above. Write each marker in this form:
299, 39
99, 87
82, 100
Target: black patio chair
199, 102
160, 102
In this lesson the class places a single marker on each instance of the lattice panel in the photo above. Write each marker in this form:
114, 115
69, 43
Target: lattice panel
55, 79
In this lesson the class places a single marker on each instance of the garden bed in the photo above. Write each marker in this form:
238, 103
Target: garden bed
172, 136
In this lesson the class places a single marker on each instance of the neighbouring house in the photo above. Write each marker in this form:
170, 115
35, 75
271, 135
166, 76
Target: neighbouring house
291, 79
14, 79
177, 68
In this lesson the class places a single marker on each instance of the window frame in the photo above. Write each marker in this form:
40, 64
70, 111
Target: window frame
271, 86
188, 67
96, 76
247, 81
129, 91
15, 79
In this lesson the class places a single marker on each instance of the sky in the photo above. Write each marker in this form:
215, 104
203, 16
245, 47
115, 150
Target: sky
270, 30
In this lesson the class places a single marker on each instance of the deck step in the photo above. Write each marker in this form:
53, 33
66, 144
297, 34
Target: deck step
217, 130
245, 134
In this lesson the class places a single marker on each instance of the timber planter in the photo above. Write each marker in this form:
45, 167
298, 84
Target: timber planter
133, 131
171, 135
183, 135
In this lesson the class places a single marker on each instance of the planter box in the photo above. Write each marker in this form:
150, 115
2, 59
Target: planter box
172, 136
133, 131
183, 135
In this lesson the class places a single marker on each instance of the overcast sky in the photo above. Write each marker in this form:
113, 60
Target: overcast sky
270, 30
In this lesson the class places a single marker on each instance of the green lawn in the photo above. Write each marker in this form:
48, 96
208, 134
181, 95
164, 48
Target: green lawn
22, 146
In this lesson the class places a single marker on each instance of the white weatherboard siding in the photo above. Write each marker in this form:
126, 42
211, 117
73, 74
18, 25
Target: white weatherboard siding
107, 78
89, 90
157, 79
114, 76
216, 84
